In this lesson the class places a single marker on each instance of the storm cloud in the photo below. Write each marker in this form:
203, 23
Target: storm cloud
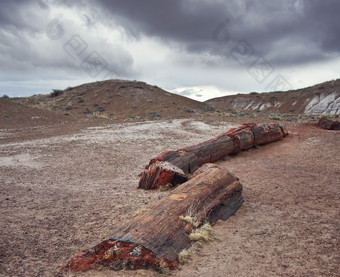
235, 46
303, 31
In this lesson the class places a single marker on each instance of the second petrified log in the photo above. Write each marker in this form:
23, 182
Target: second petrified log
190, 158
329, 124
155, 238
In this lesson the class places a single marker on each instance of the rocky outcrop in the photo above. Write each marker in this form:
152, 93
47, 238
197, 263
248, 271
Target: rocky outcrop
324, 104
319, 99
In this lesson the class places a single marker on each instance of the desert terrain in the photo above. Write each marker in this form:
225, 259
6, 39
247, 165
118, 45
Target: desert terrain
68, 180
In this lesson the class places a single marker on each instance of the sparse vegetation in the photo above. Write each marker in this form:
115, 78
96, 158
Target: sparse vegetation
100, 109
100, 115
205, 108
187, 110
198, 235
56, 93
190, 219
164, 271
190, 216
154, 114
87, 111
5, 96
202, 234
186, 255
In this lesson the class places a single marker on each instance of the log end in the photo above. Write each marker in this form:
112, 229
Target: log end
229, 205
118, 255
161, 174
329, 124
267, 133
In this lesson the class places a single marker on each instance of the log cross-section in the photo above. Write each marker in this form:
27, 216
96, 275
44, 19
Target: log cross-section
188, 159
155, 238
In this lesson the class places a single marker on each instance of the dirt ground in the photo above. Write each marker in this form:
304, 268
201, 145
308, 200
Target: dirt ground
68, 190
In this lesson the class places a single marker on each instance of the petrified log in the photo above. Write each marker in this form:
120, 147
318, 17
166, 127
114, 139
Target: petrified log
267, 133
161, 174
155, 238
190, 158
329, 124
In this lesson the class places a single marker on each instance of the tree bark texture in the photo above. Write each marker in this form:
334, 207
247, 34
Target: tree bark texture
155, 238
188, 159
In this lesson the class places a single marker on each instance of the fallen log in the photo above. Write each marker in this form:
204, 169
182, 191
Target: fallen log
155, 238
189, 159
267, 133
162, 174
329, 124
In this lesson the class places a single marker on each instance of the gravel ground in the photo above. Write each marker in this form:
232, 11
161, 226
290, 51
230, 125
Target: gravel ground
64, 193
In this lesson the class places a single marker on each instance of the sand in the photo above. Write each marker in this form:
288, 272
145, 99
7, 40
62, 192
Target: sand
68, 191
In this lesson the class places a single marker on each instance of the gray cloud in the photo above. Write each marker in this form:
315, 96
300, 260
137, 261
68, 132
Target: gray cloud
192, 39
263, 24
28, 50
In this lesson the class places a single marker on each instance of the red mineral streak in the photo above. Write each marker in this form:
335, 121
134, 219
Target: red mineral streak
118, 255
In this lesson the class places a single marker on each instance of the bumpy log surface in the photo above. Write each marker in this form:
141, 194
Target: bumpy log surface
329, 124
267, 133
189, 159
155, 238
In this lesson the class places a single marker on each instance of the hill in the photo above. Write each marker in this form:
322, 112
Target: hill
70, 179
322, 98
117, 99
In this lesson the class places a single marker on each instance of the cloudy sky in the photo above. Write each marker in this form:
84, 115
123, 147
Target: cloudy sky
198, 48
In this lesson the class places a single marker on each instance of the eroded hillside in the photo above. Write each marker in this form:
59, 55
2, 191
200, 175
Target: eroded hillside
318, 99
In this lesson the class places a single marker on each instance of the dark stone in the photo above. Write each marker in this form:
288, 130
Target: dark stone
187, 110
154, 114
100, 109
87, 111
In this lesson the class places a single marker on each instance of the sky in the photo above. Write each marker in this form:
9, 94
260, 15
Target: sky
197, 48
